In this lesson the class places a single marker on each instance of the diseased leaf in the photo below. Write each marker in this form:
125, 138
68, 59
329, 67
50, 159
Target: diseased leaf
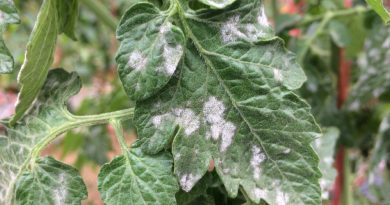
50, 182
46, 120
54, 18
151, 48
230, 100
382, 147
137, 178
218, 4
8, 15
325, 147
8, 12
378, 7
374, 68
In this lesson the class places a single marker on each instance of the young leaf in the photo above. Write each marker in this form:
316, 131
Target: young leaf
378, 7
47, 118
231, 101
8, 15
50, 182
374, 67
151, 48
138, 178
55, 17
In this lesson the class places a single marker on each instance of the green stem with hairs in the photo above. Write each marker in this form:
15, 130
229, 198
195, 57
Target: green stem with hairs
102, 13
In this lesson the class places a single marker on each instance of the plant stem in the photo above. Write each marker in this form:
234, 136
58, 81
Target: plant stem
117, 124
347, 191
334, 14
102, 13
275, 10
81, 121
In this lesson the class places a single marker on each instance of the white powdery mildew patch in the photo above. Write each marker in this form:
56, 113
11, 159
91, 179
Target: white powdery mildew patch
60, 193
258, 157
137, 61
385, 125
187, 181
278, 75
187, 119
260, 193
281, 198
171, 54
262, 18
229, 30
213, 111
386, 43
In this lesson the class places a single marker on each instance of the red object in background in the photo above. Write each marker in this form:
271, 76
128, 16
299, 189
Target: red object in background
7, 104
343, 81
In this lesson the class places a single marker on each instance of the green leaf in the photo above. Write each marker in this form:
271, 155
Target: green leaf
231, 101
54, 18
339, 33
47, 119
325, 147
381, 150
151, 48
138, 178
218, 4
50, 182
374, 69
378, 7
8, 15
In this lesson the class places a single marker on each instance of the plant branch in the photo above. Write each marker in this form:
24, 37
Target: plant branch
81, 121
117, 124
102, 13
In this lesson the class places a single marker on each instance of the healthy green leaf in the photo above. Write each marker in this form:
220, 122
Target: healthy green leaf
378, 7
374, 67
147, 37
231, 101
137, 178
339, 33
50, 182
55, 17
8, 15
325, 147
47, 118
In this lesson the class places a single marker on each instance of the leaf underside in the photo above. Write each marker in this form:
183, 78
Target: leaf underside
45, 120
136, 178
8, 15
230, 100
55, 17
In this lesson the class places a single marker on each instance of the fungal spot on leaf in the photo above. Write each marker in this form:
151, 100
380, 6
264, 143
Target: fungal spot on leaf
213, 111
171, 53
60, 193
137, 61
230, 30
262, 18
278, 75
187, 119
187, 181
258, 157
281, 198
260, 193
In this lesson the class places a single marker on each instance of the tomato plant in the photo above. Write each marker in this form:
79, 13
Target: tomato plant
230, 106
